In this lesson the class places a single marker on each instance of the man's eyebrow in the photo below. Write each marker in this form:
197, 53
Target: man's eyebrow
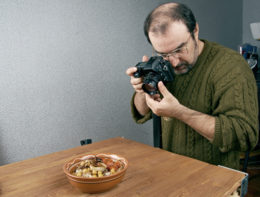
178, 47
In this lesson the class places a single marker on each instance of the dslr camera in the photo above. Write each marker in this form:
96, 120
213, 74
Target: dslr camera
155, 70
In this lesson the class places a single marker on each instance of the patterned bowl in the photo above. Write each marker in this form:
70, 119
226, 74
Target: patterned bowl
94, 184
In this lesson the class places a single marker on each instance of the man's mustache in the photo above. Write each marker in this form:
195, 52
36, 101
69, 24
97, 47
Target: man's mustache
182, 64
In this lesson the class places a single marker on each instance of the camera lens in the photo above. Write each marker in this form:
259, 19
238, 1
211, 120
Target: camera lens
150, 87
150, 83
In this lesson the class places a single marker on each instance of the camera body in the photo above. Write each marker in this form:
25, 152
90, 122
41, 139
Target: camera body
155, 70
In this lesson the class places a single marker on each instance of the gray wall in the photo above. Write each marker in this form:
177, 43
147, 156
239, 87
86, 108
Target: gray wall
63, 62
251, 14
220, 21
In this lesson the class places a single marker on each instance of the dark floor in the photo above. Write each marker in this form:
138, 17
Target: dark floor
253, 170
253, 183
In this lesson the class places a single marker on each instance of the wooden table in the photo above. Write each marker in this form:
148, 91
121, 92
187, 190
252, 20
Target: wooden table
151, 172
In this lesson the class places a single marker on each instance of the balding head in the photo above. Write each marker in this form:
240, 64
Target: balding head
161, 17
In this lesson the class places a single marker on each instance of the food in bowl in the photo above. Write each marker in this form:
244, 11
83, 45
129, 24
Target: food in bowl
98, 167
95, 173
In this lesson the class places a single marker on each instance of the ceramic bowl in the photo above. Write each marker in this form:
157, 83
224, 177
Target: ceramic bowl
94, 184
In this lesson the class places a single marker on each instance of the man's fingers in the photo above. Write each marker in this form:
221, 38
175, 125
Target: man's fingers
135, 81
150, 101
145, 58
157, 97
163, 89
130, 71
138, 87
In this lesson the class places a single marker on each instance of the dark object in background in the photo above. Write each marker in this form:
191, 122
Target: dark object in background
251, 158
155, 70
85, 141
249, 52
157, 131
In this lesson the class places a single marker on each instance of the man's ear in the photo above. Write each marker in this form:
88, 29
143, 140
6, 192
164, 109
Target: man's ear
196, 31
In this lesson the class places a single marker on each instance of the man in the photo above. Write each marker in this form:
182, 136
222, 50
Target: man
210, 110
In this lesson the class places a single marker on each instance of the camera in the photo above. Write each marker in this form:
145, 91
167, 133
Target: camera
155, 70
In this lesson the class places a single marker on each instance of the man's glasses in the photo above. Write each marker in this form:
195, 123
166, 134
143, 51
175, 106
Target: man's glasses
182, 50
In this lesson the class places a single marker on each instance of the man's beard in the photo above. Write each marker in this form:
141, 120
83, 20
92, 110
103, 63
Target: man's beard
182, 68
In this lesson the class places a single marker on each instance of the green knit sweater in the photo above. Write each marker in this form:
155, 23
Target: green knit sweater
220, 84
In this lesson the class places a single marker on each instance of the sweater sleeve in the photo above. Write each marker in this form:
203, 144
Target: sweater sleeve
138, 118
235, 106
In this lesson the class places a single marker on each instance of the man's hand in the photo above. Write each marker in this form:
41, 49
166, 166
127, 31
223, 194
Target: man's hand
137, 83
168, 106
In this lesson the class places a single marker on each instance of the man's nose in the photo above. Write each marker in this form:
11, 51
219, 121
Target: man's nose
173, 60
